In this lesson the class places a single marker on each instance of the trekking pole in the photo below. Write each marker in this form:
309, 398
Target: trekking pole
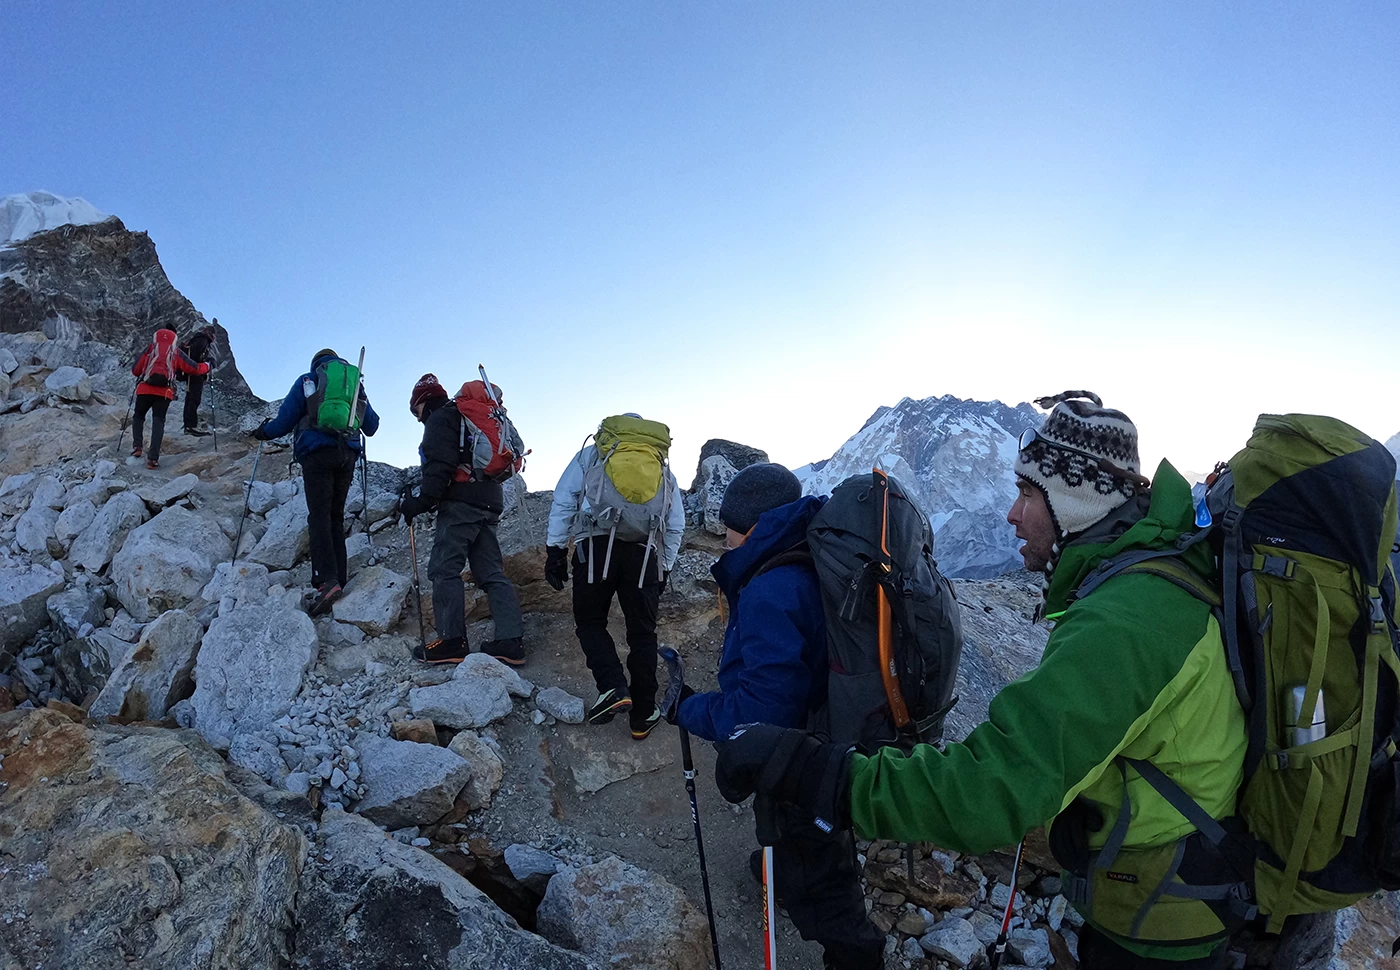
417, 588
247, 500
770, 906
213, 412
673, 689
997, 949
364, 478
126, 419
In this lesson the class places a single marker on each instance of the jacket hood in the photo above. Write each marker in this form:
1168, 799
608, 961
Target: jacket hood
1168, 515
776, 531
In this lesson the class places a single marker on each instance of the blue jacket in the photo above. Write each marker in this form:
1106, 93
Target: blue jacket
293, 409
773, 668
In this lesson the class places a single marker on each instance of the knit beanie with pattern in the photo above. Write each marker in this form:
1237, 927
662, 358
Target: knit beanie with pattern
1084, 458
427, 389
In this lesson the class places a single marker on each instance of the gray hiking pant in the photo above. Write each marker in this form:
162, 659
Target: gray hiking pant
466, 534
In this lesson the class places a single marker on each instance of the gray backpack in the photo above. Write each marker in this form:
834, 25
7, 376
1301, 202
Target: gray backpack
854, 567
627, 490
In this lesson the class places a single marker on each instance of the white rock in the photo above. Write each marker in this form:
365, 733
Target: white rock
408, 783
73, 520
96, 545
716, 473
160, 494
285, 490
373, 600
49, 492
623, 916
357, 552
262, 498
8, 363
471, 703
561, 704
245, 582
250, 669
1030, 947
487, 768
259, 755
70, 383
953, 940
297, 782
76, 612
531, 866
35, 528
15, 491
155, 673
1056, 915
287, 539
479, 665
165, 564
24, 597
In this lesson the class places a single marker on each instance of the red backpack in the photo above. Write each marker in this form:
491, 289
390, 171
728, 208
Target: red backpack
489, 448
160, 364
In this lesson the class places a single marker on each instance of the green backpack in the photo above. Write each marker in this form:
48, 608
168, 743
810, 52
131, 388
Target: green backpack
328, 403
1303, 524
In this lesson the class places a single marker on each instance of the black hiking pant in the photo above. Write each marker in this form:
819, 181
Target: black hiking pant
1098, 952
592, 603
327, 474
194, 393
157, 405
466, 534
818, 883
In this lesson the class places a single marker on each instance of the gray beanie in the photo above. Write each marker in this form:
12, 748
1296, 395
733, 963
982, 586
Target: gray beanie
757, 489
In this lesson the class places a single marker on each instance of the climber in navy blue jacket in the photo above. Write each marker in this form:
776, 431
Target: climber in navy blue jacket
327, 461
773, 670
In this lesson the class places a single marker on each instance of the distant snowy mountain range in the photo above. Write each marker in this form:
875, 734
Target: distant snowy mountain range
956, 459
21, 216
1394, 445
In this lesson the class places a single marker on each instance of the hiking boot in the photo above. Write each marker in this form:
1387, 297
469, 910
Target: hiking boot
197, 433
323, 599
642, 724
152, 463
445, 650
136, 452
510, 651
608, 704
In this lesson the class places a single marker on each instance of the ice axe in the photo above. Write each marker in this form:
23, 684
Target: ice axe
668, 703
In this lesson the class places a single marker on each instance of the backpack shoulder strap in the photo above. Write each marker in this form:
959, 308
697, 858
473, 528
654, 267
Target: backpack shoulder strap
797, 555
1166, 563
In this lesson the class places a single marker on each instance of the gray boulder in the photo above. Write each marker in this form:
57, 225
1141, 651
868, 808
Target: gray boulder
246, 582
250, 669
487, 768
357, 552
72, 521
1030, 948
160, 494
156, 673
953, 940
137, 851
367, 900
8, 363
373, 600
258, 753
24, 597
166, 563
559, 703
35, 528
287, 539
99, 542
70, 383
470, 703
532, 867
625, 917
738, 455
261, 498
48, 492
76, 612
482, 665
407, 783
15, 491
703, 502
85, 663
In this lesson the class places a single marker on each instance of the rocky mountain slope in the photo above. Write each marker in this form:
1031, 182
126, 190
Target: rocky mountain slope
195, 774
955, 457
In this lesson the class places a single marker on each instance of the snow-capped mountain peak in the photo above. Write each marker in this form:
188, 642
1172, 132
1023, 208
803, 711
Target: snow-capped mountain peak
956, 457
1394, 447
23, 215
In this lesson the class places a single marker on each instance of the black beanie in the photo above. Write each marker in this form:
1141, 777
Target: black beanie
757, 489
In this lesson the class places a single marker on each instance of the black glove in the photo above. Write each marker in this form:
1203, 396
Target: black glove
1069, 833
556, 566
412, 505
260, 433
787, 765
671, 703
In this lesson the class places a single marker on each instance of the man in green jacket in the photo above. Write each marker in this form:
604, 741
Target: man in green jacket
1133, 685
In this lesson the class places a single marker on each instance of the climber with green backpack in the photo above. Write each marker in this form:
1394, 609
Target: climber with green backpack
620, 506
329, 411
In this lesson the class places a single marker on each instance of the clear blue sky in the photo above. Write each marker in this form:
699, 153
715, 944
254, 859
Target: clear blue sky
754, 220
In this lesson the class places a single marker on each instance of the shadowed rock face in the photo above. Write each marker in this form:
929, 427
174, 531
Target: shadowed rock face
103, 283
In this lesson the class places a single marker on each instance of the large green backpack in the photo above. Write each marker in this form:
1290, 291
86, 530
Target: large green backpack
331, 402
1303, 524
